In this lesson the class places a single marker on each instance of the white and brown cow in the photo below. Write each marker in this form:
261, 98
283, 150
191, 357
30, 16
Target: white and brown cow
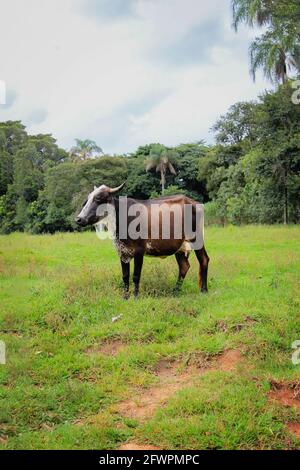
155, 227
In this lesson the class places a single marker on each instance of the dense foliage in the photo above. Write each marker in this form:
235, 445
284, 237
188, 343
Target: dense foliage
251, 175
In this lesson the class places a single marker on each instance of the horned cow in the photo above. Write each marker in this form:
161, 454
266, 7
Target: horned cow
161, 227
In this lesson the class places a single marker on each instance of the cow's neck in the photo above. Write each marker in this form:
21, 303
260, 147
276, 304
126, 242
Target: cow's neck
124, 251
116, 204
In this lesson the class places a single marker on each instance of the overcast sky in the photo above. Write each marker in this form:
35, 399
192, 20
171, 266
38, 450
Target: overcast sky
122, 72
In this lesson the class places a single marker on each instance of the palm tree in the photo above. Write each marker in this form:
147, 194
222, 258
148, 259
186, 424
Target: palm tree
276, 53
262, 12
84, 149
278, 14
252, 12
278, 50
162, 159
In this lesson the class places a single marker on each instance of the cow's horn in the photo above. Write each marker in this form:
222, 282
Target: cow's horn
114, 190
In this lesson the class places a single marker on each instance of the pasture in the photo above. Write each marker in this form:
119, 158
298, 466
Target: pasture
187, 372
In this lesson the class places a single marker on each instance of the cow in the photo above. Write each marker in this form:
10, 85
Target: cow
123, 215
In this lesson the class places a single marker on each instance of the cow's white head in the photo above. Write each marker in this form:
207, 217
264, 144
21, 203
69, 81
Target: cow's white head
90, 213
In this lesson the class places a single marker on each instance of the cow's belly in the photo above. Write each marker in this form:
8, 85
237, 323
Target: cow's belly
164, 248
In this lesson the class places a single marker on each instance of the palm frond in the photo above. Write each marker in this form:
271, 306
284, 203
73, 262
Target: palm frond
171, 169
251, 12
149, 165
274, 52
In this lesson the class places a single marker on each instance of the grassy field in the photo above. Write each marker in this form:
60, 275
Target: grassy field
188, 372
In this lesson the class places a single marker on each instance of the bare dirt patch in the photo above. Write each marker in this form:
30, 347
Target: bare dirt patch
171, 379
287, 394
294, 429
135, 446
108, 348
173, 376
229, 360
3, 440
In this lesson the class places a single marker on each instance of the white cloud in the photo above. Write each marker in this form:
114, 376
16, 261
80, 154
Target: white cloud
122, 80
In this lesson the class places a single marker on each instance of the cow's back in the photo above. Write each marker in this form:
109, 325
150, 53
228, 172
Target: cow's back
163, 222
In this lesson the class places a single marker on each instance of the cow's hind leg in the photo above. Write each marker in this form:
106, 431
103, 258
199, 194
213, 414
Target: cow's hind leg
138, 264
126, 275
203, 259
184, 266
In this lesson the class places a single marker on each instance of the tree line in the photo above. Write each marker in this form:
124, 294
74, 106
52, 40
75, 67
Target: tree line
250, 175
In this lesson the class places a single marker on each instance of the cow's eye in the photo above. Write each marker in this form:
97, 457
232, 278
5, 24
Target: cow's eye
97, 198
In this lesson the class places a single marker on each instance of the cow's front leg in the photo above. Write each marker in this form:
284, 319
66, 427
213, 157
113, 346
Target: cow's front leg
126, 275
138, 264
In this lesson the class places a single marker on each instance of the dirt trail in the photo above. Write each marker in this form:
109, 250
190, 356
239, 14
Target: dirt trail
172, 378
144, 404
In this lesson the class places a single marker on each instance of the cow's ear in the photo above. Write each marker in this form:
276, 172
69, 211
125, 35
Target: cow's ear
95, 187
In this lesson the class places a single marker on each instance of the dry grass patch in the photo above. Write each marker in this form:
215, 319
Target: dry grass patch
135, 446
109, 347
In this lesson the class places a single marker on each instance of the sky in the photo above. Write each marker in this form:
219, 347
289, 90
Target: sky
123, 72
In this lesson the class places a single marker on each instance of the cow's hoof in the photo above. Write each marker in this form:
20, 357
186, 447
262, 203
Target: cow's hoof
126, 295
204, 290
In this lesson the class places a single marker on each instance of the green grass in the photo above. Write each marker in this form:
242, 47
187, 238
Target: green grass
58, 296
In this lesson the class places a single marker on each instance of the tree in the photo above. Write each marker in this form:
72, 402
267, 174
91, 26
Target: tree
162, 160
279, 136
257, 183
84, 149
28, 177
13, 136
265, 12
213, 168
187, 164
6, 171
61, 185
49, 152
237, 125
276, 53
68, 184
169, 191
8, 211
